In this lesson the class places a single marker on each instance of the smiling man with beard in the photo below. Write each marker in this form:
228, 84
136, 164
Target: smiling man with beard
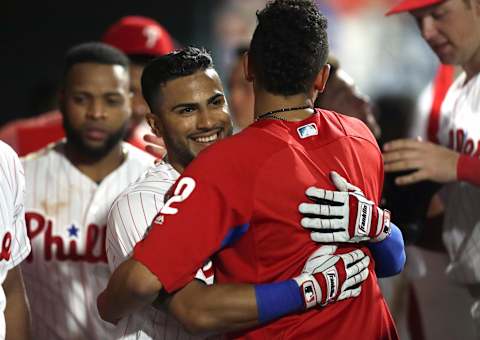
70, 186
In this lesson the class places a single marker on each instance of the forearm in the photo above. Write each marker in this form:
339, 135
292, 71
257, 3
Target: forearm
215, 308
468, 169
389, 254
17, 318
131, 287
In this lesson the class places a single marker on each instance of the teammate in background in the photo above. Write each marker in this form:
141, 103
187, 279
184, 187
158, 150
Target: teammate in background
142, 39
343, 96
256, 235
188, 80
71, 187
15, 247
340, 95
240, 93
451, 29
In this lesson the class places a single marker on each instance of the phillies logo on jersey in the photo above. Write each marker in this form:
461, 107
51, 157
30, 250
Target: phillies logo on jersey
64, 249
6, 244
458, 142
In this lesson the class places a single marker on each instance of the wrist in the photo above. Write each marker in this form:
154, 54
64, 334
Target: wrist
275, 300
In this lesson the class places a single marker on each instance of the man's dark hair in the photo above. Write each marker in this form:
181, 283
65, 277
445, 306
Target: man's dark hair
289, 46
171, 66
94, 52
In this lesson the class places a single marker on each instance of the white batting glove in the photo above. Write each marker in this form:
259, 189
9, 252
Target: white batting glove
343, 216
327, 278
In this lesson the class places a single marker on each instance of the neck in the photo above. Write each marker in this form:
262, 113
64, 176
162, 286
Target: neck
472, 68
95, 169
266, 102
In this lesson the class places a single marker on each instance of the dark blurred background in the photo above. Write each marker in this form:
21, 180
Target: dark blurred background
35, 35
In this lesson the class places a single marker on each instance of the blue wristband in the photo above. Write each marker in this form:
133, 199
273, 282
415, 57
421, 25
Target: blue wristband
275, 300
389, 254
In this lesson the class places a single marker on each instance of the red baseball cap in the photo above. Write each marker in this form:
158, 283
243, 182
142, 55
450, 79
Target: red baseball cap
410, 5
139, 35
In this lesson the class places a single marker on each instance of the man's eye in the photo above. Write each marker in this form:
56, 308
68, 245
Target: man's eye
218, 102
114, 101
186, 110
79, 99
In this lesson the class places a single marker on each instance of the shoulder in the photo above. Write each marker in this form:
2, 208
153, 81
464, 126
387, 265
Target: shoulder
135, 155
7, 153
44, 155
348, 126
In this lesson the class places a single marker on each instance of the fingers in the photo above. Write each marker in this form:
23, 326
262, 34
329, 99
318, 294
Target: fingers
403, 165
326, 224
156, 151
358, 267
417, 176
356, 279
341, 183
401, 155
151, 138
339, 236
322, 194
323, 250
350, 293
400, 144
322, 209
352, 257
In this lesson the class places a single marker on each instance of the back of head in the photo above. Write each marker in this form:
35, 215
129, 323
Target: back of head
171, 66
141, 38
94, 52
289, 46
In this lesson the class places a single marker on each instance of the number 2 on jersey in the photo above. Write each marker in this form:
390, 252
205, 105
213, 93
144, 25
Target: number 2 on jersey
184, 189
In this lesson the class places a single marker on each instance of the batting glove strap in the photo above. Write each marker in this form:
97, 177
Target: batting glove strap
310, 290
367, 221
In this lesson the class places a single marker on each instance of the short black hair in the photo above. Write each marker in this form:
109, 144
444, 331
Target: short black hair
94, 52
289, 46
171, 66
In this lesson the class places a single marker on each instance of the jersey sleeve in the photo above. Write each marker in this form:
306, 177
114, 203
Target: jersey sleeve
207, 212
20, 244
128, 220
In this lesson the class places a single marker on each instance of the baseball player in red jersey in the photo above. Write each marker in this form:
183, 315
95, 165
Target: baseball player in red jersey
142, 39
15, 247
249, 211
189, 81
72, 184
451, 29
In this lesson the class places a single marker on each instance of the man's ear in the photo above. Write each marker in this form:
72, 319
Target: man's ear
322, 77
154, 123
247, 68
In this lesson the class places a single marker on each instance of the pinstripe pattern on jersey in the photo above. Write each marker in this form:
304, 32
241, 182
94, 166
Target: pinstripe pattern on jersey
128, 220
460, 130
66, 272
12, 220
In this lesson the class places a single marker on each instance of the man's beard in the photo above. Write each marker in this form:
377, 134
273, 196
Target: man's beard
74, 138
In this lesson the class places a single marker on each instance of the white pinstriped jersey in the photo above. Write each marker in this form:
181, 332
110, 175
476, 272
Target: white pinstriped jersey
128, 220
66, 221
460, 130
14, 246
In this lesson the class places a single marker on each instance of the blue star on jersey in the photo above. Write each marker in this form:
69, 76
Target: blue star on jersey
73, 231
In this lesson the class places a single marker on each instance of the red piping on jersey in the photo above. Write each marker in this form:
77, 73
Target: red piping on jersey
468, 169
441, 83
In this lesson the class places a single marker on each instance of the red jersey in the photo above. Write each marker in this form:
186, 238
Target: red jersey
239, 200
32, 134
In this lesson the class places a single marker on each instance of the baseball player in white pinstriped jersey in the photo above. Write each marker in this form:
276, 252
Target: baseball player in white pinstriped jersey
71, 187
451, 29
129, 218
14, 246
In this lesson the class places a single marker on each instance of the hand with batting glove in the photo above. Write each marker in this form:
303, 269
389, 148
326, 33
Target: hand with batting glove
328, 278
343, 216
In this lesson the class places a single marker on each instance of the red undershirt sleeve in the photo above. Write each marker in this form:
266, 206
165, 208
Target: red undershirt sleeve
468, 169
